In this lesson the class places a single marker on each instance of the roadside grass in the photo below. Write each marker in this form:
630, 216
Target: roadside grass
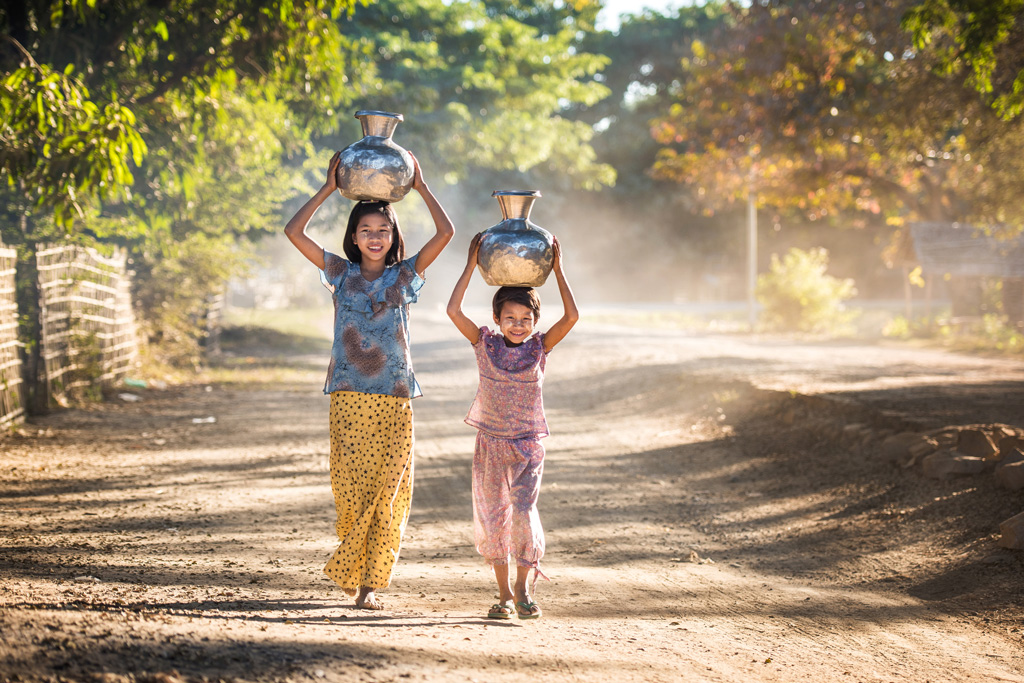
288, 346
989, 334
311, 323
668, 320
259, 348
867, 323
260, 373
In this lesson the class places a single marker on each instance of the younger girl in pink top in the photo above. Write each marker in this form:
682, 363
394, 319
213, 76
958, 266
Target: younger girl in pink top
509, 413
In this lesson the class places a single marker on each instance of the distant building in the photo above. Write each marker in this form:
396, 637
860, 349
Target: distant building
971, 258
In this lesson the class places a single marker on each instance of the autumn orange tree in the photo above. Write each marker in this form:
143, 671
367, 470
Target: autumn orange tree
831, 111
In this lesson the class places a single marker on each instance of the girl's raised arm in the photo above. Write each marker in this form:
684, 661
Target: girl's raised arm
296, 228
570, 313
442, 224
467, 327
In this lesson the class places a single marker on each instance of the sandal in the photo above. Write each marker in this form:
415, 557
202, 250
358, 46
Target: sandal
501, 610
528, 610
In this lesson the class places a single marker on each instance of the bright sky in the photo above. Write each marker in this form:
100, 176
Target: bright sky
609, 16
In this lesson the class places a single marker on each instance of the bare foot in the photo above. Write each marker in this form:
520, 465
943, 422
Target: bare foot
367, 599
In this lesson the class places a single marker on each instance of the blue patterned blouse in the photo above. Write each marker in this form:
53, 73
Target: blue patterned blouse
371, 328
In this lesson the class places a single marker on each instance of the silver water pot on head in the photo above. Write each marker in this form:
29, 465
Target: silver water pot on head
375, 168
515, 252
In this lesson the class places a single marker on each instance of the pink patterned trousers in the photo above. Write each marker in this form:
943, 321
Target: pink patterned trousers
506, 484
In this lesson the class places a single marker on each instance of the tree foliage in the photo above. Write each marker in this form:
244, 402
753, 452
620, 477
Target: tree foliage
483, 85
57, 144
643, 78
176, 128
826, 109
133, 70
210, 100
979, 37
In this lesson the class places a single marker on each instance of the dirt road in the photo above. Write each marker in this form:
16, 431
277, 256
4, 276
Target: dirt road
693, 534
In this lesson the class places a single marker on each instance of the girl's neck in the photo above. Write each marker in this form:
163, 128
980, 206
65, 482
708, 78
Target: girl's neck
371, 270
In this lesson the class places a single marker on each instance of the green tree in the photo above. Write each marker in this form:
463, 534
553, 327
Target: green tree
140, 61
643, 77
225, 94
485, 85
979, 37
58, 147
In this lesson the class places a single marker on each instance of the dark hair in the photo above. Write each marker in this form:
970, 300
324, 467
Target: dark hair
525, 296
397, 251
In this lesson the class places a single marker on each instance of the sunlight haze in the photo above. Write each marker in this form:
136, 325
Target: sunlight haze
613, 9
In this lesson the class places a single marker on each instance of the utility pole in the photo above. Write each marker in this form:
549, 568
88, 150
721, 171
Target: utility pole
751, 258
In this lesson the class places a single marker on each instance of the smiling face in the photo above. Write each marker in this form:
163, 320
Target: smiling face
370, 218
515, 322
373, 236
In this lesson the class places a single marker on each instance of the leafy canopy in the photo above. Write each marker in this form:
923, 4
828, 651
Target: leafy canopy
116, 77
486, 84
57, 144
981, 37
826, 109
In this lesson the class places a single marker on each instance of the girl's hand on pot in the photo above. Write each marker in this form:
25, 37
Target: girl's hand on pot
332, 172
417, 177
556, 248
474, 248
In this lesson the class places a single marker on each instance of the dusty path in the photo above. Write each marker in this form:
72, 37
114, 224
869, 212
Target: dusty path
690, 535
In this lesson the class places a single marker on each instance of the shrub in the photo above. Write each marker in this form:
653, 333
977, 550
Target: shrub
797, 295
992, 332
898, 327
173, 288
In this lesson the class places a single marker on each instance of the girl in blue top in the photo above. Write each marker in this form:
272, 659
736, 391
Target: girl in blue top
370, 379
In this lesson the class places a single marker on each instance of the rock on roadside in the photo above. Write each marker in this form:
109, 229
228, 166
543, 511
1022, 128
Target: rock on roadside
944, 463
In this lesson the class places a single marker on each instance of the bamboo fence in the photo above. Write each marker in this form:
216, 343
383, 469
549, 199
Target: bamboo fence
12, 404
88, 329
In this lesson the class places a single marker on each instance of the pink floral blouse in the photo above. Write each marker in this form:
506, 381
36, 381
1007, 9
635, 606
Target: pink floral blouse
509, 403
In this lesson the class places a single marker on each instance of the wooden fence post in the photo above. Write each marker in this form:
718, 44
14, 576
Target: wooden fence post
29, 305
12, 400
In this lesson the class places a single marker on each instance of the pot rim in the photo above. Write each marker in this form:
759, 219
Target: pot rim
516, 193
374, 112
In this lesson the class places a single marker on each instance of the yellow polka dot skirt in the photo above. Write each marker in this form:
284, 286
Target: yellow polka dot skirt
371, 476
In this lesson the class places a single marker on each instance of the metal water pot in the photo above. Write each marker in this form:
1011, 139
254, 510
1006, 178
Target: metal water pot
515, 252
375, 168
